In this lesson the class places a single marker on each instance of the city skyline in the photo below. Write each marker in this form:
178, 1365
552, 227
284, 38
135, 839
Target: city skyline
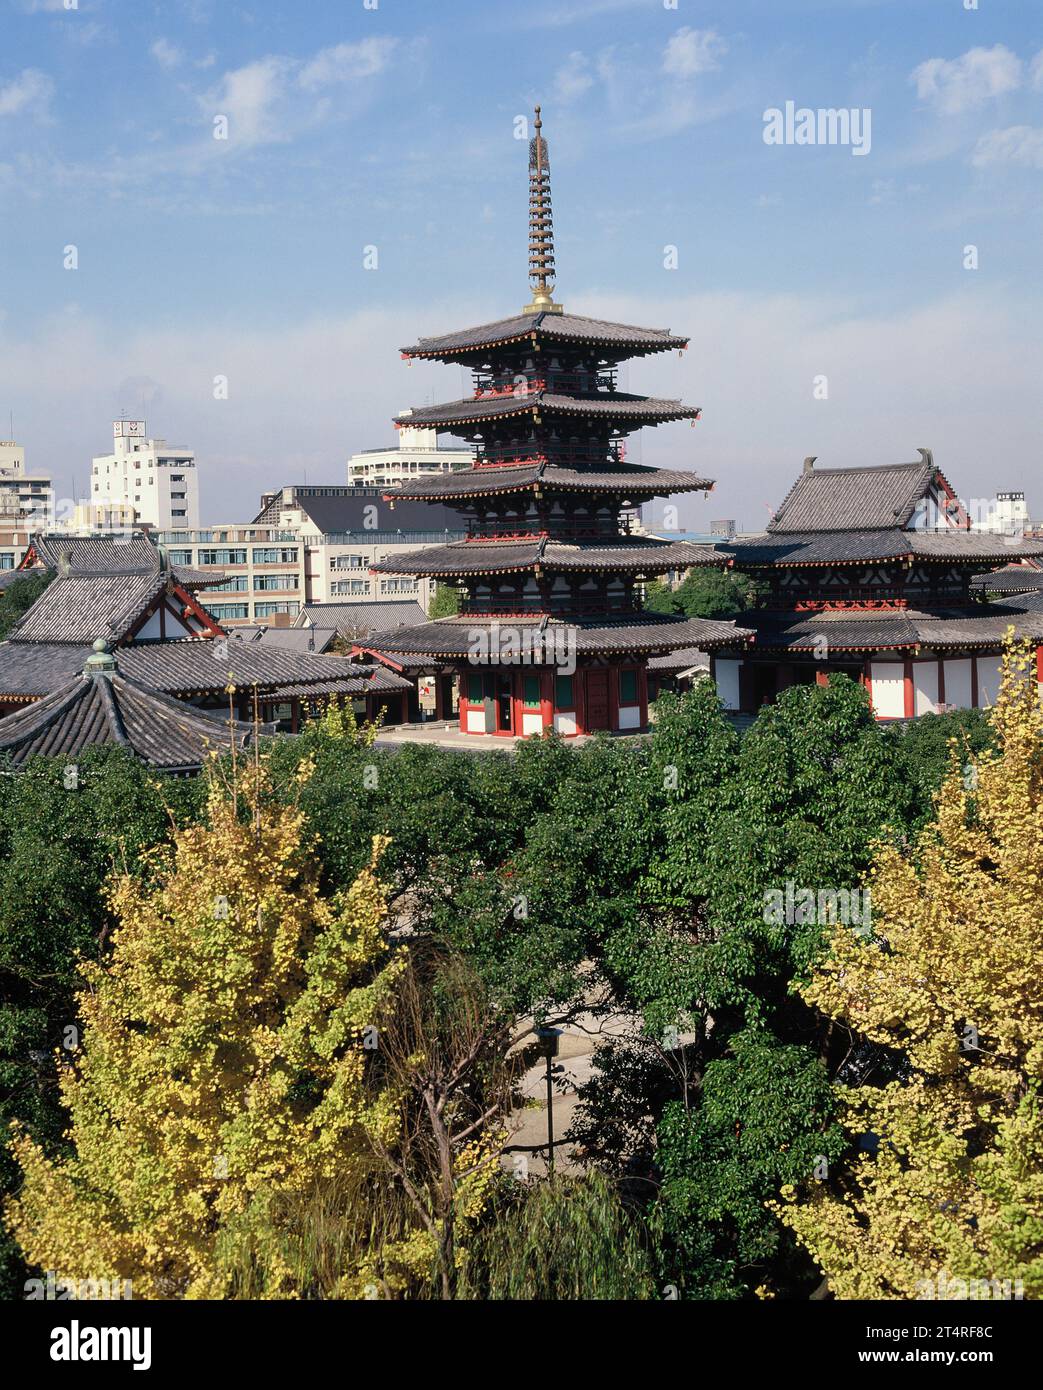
352, 128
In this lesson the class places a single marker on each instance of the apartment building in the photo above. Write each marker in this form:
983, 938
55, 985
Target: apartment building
415, 455
158, 480
24, 497
263, 569
345, 530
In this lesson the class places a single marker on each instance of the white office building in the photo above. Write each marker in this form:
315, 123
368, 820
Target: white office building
150, 475
23, 496
414, 456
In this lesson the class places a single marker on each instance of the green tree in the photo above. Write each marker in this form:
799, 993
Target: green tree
445, 601
19, 597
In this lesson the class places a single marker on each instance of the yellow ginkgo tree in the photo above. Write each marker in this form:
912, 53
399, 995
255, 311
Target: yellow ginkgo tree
945, 1200
224, 1060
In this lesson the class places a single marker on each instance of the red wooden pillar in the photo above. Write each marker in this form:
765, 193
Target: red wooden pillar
405, 707
974, 681
547, 698
439, 696
941, 681
613, 698
642, 693
579, 698
910, 695
821, 677
1039, 665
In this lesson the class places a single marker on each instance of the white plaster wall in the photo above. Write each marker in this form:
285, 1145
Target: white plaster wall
630, 716
532, 722
726, 674
988, 679
925, 686
888, 692
565, 723
958, 683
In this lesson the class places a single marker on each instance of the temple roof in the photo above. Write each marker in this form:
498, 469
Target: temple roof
549, 328
1012, 579
490, 556
626, 479
785, 549
192, 666
609, 406
78, 608
633, 632
104, 707
853, 499
900, 629
84, 556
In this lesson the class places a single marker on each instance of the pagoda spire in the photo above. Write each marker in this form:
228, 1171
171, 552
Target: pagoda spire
541, 227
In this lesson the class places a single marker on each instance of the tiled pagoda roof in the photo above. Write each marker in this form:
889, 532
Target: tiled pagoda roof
607, 406
548, 328
628, 480
490, 556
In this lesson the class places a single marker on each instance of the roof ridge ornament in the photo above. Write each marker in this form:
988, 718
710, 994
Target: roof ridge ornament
541, 227
101, 662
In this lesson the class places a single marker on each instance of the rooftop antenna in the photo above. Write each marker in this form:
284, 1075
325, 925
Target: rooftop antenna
541, 227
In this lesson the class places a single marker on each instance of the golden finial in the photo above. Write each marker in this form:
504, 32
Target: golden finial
541, 227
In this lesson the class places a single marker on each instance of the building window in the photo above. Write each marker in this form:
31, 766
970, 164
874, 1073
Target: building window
221, 556
178, 511
275, 555
564, 697
265, 610
179, 557
350, 586
531, 689
237, 584
398, 586
475, 689
6, 562
628, 687
275, 581
223, 611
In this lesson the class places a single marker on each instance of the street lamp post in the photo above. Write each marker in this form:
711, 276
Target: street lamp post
548, 1041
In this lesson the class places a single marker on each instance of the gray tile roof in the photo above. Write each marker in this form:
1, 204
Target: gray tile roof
686, 659
785, 549
629, 480
294, 639
572, 328
81, 608
106, 555
980, 625
1013, 579
361, 619
95, 709
638, 555
632, 632
853, 499
186, 667
615, 406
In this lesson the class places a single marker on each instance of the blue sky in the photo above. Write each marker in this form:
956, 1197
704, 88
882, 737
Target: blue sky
352, 126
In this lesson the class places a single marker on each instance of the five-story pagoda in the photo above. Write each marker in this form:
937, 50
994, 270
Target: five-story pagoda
551, 633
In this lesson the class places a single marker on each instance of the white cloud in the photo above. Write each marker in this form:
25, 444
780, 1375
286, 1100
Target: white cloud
1018, 144
692, 51
166, 54
27, 94
1037, 71
347, 61
976, 77
249, 96
573, 78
